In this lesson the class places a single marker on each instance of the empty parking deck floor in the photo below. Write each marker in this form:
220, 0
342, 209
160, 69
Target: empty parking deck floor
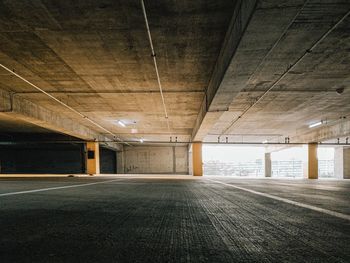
173, 219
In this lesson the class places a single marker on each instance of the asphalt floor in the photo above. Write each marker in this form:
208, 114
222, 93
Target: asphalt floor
173, 219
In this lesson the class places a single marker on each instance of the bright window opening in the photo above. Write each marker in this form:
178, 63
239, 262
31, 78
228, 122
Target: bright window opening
325, 162
248, 161
289, 162
233, 160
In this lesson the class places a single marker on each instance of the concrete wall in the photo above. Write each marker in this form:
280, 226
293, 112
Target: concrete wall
43, 158
120, 162
157, 160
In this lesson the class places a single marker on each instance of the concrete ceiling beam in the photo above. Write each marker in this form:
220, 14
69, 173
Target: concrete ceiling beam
22, 109
328, 132
268, 45
215, 101
317, 135
113, 92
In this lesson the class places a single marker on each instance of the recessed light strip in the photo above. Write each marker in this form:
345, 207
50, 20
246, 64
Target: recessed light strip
121, 123
315, 124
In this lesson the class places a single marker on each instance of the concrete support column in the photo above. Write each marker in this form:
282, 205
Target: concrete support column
342, 162
197, 164
92, 158
268, 166
312, 171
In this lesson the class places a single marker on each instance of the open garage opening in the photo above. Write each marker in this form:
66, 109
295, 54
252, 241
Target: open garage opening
260, 161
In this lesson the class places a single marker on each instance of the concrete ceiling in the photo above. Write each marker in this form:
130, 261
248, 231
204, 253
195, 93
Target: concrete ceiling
308, 93
274, 48
10, 124
95, 57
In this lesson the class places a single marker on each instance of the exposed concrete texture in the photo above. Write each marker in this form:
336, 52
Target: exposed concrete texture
96, 58
120, 162
181, 160
159, 160
339, 128
217, 100
169, 220
277, 35
22, 109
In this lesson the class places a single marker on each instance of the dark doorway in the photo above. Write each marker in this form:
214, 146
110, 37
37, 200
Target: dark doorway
108, 161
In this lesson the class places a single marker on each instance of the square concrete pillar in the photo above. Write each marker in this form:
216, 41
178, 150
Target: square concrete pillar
312, 161
197, 163
92, 158
342, 162
268, 165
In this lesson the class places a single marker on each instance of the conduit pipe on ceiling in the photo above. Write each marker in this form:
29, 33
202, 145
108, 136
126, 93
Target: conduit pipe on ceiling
63, 104
291, 67
153, 54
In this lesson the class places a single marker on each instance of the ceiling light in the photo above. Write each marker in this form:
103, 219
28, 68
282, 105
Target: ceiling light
121, 123
141, 140
265, 141
316, 124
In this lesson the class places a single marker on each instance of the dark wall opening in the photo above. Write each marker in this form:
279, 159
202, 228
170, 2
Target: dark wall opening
108, 161
42, 158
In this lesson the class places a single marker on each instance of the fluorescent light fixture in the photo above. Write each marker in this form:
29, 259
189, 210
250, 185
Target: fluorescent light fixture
141, 140
316, 124
121, 123
265, 141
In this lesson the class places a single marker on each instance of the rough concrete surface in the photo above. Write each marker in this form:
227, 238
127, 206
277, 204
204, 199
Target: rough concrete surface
215, 58
171, 219
95, 56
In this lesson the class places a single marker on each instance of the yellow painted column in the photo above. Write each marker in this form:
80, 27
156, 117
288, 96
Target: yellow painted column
312, 161
92, 158
197, 164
